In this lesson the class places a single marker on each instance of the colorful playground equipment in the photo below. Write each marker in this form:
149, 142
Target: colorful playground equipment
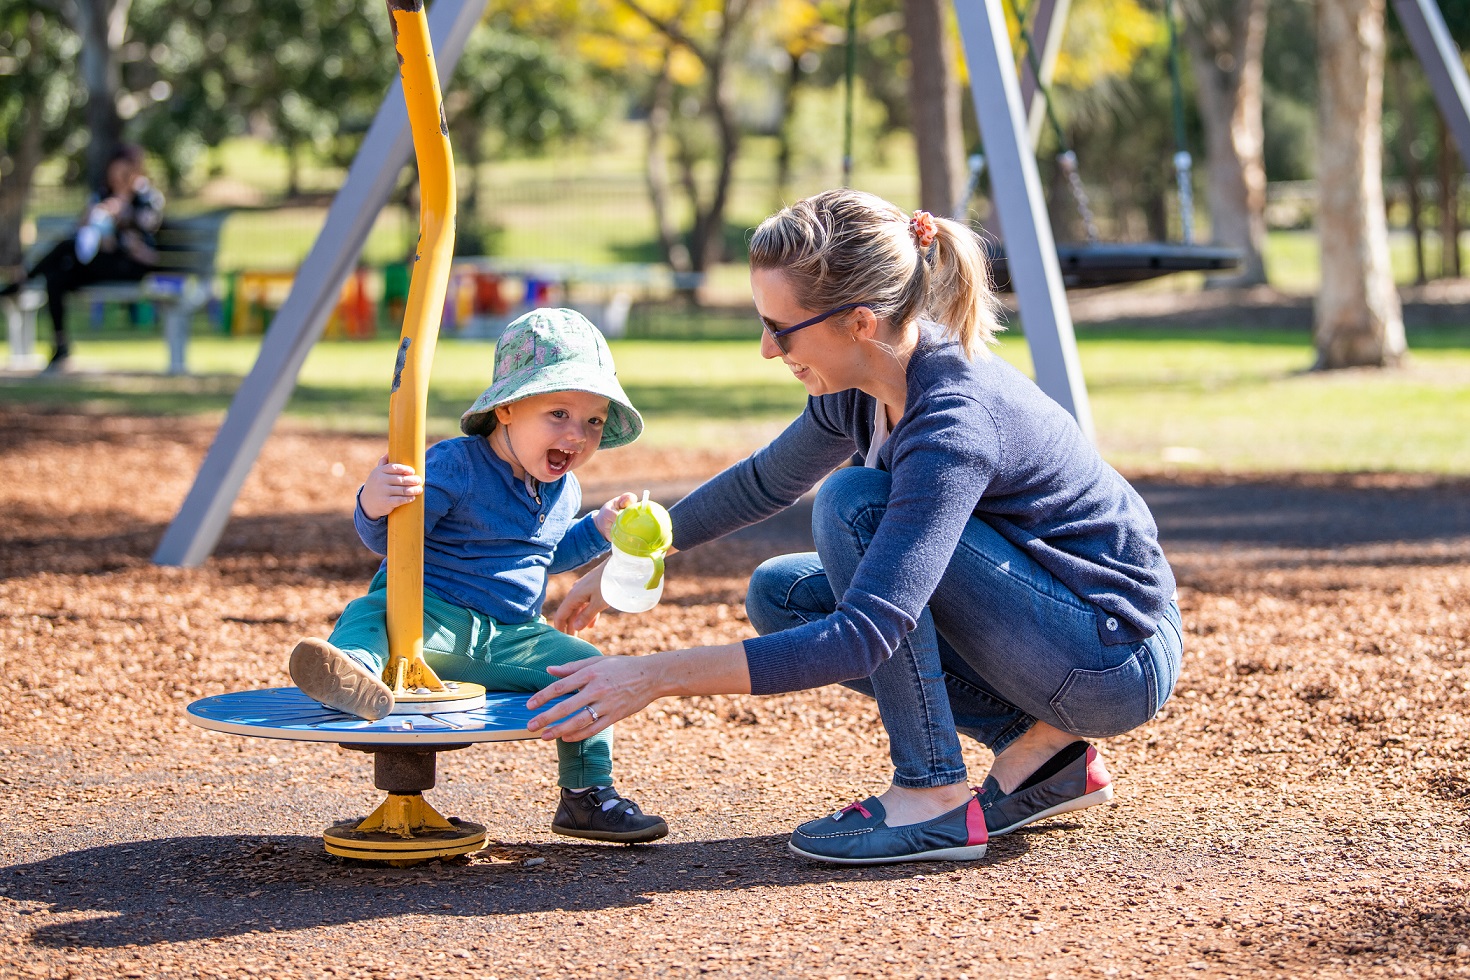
481, 297
252, 297
431, 715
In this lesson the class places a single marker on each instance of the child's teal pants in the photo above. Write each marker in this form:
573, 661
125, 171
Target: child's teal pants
462, 645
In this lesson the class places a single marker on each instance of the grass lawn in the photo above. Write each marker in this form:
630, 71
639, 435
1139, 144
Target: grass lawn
1232, 400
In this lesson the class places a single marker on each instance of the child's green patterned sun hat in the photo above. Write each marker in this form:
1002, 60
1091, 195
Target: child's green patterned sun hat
554, 350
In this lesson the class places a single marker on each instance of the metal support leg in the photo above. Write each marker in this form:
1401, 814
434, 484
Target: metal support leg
1424, 25
1048, 17
1031, 251
20, 326
197, 527
176, 316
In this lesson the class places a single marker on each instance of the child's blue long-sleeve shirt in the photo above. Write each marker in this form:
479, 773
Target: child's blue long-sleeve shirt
488, 544
977, 440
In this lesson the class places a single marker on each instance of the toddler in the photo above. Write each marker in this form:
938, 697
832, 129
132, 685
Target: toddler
500, 514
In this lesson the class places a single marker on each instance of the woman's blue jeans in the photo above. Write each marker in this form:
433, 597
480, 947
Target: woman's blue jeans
1001, 645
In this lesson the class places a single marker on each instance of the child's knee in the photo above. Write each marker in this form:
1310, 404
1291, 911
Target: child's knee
556, 647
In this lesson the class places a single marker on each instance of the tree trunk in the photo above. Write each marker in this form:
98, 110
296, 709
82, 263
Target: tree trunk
474, 157
1449, 205
15, 188
934, 95
1358, 319
708, 238
1410, 162
293, 169
1226, 42
25, 155
785, 133
657, 174
102, 25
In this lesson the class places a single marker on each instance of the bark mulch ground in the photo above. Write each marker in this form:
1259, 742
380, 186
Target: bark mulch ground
1301, 806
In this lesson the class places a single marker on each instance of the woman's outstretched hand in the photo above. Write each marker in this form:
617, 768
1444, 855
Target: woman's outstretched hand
580, 609
613, 687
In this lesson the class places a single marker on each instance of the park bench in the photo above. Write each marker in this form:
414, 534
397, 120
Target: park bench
180, 288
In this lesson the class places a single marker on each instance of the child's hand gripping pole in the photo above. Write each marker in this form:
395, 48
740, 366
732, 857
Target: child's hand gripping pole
408, 403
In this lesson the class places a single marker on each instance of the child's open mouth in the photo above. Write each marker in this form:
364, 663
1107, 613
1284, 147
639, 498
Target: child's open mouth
558, 460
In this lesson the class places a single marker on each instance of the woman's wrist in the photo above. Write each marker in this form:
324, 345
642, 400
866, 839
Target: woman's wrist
702, 670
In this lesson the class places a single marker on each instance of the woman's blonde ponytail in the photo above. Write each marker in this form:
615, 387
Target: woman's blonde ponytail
846, 246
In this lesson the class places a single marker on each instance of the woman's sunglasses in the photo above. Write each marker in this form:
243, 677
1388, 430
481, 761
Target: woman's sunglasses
778, 335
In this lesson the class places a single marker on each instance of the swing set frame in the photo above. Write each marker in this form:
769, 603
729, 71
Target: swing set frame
1006, 106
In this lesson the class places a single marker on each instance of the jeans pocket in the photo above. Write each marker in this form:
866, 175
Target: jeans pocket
1100, 703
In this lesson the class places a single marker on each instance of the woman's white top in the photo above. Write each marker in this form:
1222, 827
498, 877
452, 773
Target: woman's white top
880, 436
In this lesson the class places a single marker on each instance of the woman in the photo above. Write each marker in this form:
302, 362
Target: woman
114, 242
979, 568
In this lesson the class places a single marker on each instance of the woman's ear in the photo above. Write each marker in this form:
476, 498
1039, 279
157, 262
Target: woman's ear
864, 324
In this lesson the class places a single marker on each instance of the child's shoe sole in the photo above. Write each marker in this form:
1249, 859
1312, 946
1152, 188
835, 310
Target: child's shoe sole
328, 675
643, 836
603, 814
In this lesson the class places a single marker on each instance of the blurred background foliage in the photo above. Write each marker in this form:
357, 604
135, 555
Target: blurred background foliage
680, 122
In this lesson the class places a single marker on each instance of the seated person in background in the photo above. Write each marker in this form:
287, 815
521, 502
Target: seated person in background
116, 241
500, 514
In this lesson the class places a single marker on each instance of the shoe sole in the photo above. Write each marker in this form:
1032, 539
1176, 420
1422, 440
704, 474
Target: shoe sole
624, 837
971, 852
1080, 803
327, 675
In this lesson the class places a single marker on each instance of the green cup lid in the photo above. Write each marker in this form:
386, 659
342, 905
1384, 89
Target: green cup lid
643, 529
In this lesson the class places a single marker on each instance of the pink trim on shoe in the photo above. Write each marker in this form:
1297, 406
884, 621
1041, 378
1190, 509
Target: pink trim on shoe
1097, 773
975, 823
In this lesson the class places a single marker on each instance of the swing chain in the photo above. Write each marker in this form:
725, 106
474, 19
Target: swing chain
1067, 160
1183, 163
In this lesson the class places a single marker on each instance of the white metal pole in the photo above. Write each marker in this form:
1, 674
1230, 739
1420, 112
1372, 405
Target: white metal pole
1031, 252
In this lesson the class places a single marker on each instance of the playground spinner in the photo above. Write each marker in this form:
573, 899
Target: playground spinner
430, 715
405, 816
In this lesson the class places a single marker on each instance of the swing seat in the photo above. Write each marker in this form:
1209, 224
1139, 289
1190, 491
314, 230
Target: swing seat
1092, 265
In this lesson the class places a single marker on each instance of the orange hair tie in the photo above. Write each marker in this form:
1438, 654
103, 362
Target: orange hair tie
923, 228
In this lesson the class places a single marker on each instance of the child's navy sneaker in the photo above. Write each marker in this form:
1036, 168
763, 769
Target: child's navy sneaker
330, 676
600, 813
857, 834
1072, 779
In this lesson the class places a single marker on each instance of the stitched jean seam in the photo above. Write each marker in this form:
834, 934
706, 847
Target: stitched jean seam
790, 591
1006, 735
862, 518
1069, 599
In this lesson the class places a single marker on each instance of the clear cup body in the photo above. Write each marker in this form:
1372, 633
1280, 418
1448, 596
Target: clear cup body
624, 582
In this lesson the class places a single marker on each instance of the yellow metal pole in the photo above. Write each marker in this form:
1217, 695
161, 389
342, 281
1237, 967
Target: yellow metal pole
408, 403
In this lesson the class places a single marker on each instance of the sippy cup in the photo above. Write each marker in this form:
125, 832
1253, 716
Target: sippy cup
633, 580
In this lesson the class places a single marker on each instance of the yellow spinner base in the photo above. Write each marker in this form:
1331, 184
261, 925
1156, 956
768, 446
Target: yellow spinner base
456, 696
404, 830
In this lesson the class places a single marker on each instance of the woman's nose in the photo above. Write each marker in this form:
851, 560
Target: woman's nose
769, 349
